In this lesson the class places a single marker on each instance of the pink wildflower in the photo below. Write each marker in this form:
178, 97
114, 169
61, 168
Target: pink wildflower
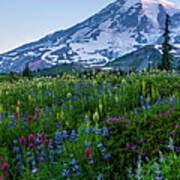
127, 145
142, 152
133, 148
172, 132
123, 117
178, 150
177, 126
141, 140
171, 109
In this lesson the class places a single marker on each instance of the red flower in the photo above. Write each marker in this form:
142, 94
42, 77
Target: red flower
31, 138
22, 141
87, 152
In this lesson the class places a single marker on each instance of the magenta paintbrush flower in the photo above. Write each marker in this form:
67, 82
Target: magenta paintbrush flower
46, 142
37, 111
42, 135
31, 146
5, 170
16, 116
87, 152
22, 141
31, 138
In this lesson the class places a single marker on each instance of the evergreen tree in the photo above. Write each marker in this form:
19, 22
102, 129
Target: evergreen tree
166, 47
26, 71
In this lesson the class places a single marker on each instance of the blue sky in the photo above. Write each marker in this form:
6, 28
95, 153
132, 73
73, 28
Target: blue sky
23, 21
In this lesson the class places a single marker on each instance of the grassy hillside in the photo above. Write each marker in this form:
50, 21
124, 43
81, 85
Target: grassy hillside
137, 59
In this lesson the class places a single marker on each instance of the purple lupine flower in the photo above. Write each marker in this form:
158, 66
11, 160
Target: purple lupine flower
105, 132
87, 130
167, 101
159, 101
174, 101
34, 171
85, 118
142, 100
135, 111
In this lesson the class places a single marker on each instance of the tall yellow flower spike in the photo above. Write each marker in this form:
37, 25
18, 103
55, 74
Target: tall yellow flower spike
29, 98
17, 109
18, 102
57, 116
88, 123
116, 98
62, 113
1, 109
100, 107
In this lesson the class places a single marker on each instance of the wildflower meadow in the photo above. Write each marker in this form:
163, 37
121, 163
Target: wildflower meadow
91, 126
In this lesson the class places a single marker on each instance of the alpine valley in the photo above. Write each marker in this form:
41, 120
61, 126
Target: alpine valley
124, 34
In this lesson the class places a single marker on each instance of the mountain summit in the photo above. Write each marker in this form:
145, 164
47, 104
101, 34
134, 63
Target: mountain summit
120, 28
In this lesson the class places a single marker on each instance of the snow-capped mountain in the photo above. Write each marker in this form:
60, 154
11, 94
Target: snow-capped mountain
120, 28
